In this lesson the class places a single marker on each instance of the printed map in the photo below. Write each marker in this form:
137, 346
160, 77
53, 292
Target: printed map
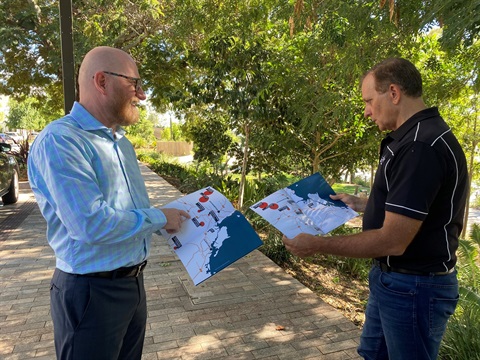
216, 236
304, 207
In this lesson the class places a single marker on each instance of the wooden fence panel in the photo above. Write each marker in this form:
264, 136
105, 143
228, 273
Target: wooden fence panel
175, 148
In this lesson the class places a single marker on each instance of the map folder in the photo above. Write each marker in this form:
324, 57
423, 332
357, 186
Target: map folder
304, 207
214, 237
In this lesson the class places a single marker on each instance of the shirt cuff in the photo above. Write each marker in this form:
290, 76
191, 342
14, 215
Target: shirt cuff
156, 217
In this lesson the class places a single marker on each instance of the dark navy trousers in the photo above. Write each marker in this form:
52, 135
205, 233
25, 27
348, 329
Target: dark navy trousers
98, 318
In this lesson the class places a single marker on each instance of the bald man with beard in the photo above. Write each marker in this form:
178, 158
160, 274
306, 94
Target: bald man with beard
88, 185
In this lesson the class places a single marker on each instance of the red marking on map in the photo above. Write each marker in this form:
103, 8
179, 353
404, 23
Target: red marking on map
263, 205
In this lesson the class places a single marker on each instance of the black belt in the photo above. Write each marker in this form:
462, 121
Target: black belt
131, 271
385, 268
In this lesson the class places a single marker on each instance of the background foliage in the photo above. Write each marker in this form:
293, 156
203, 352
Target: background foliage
281, 75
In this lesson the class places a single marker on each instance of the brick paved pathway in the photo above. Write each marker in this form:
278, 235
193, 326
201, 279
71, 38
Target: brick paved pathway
233, 315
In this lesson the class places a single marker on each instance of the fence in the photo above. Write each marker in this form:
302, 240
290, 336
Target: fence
175, 148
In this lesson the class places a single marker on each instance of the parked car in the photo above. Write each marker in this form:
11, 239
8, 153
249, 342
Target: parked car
32, 135
5, 138
9, 170
15, 136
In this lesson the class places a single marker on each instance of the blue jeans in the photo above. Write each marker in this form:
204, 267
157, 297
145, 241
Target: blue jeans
406, 315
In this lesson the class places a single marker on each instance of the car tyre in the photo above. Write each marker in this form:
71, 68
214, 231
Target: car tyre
11, 196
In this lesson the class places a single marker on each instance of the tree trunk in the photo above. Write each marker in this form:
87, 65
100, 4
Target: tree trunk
372, 176
470, 170
316, 154
470, 180
241, 192
467, 204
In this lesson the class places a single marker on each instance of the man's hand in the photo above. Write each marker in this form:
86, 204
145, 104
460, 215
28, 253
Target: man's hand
175, 218
302, 245
354, 202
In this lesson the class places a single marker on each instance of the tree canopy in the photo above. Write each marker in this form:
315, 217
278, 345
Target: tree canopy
283, 75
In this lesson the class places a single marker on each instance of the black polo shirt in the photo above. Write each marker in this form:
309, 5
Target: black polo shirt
422, 174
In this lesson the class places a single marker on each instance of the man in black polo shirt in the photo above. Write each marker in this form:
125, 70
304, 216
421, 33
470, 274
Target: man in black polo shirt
412, 220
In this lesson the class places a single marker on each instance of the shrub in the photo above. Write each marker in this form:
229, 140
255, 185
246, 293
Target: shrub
461, 340
273, 247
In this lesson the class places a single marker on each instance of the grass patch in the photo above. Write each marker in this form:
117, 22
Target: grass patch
352, 189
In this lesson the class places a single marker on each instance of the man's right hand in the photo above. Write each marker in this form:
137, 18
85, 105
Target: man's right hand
175, 218
354, 202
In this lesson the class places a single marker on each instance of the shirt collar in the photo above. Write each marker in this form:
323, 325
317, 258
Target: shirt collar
89, 123
413, 121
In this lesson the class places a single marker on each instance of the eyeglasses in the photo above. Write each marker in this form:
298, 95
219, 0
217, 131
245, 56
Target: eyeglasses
138, 81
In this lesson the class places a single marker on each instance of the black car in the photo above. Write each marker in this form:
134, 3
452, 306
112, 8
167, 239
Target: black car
9, 187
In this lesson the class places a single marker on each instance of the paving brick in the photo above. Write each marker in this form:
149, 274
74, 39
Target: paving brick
173, 336
246, 347
336, 346
274, 350
160, 346
309, 353
312, 342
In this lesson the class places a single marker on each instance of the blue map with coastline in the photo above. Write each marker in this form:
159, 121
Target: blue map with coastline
214, 237
304, 207
238, 229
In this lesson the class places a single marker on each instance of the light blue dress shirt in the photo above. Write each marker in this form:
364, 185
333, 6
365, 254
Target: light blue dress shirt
90, 190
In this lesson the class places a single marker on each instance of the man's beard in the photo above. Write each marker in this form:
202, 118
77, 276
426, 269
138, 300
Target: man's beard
125, 113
